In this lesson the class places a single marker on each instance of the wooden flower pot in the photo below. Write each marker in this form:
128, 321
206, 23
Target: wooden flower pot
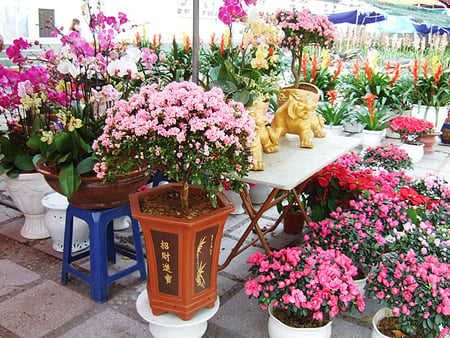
182, 255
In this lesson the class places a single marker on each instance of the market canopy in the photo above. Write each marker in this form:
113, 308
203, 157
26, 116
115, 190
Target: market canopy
356, 17
432, 12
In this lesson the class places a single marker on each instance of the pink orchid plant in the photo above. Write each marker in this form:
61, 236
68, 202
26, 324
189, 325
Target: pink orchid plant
76, 84
189, 133
416, 289
233, 11
310, 285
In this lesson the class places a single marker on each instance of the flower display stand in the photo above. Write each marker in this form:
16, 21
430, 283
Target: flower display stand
168, 325
27, 191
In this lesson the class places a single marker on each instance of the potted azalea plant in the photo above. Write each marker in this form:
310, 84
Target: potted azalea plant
302, 28
415, 290
202, 143
303, 288
410, 129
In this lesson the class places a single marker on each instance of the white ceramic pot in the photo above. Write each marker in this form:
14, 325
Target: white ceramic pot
259, 192
353, 127
382, 313
429, 113
334, 130
362, 285
235, 198
55, 220
372, 138
279, 330
27, 191
415, 151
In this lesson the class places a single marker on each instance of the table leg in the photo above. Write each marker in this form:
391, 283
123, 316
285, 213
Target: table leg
254, 215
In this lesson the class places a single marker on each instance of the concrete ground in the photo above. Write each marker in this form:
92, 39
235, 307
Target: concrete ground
33, 302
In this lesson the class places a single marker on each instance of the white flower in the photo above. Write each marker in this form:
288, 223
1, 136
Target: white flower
24, 88
134, 53
67, 67
122, 67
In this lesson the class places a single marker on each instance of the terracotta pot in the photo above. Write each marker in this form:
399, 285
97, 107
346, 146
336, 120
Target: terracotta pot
94, 193
182, 254
429, 141
304, 89
293, 222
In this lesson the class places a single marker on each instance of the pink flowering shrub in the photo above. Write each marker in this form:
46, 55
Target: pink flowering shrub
308, 283
302, 28
417, 289
388, 157
360, 231
410, 128
188, 133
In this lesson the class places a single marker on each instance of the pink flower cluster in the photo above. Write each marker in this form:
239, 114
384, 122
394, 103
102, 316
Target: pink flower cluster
410, 128
232, 10
305, 281
302, 28
416, 289
189, 133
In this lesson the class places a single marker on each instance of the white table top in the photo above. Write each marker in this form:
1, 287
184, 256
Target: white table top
292, 165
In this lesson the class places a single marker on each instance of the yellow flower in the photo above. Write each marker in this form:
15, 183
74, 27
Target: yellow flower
61, 86
325, 58
274, 58
74, 123
62, 117
47, 136
373, 59
247, 38
262, 52
435, 63
259, 63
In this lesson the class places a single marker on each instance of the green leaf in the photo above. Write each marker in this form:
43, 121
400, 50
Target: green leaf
242, 96
226, 86
69, 180
86, 165
24, 162
34, 142
5, 167
63, 142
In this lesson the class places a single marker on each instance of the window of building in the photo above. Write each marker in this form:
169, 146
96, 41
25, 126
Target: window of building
46, 20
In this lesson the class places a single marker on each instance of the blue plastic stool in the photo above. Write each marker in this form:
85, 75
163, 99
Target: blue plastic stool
102, 249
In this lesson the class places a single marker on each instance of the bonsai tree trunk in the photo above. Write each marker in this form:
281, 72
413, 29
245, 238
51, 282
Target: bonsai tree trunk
185, 195
296, 70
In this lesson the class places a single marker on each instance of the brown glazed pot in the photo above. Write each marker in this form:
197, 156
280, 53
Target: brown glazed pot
182, 254
293, 221
304, 89
94, 193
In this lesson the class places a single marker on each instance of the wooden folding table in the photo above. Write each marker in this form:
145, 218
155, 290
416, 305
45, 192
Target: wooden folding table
287, 172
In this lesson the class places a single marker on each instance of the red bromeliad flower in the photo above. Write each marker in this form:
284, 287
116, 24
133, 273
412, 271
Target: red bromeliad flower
332, 95
368, 69
370, 99
415, 71
396, 75
338, 70
356, 69
314, 68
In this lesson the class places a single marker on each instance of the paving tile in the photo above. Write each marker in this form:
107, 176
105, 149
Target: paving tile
247, 319
41, 309
7, 213
109, 323
14, 276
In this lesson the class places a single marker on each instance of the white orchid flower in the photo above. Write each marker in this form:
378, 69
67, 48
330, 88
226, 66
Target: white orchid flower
67, 67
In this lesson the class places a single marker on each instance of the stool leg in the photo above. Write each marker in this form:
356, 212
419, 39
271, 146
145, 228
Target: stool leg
138, 247
67, 253
99, 264
110, 244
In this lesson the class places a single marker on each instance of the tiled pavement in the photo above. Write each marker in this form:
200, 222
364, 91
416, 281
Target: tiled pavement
33, 302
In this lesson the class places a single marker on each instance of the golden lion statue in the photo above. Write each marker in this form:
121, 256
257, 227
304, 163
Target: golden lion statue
262, 140
297, 115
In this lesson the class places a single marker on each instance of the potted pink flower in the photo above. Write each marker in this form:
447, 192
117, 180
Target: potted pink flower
201, 142
302, 28
410, 128
416, 292
303, 288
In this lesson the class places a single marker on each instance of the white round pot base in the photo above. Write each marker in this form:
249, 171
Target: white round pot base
169, 325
